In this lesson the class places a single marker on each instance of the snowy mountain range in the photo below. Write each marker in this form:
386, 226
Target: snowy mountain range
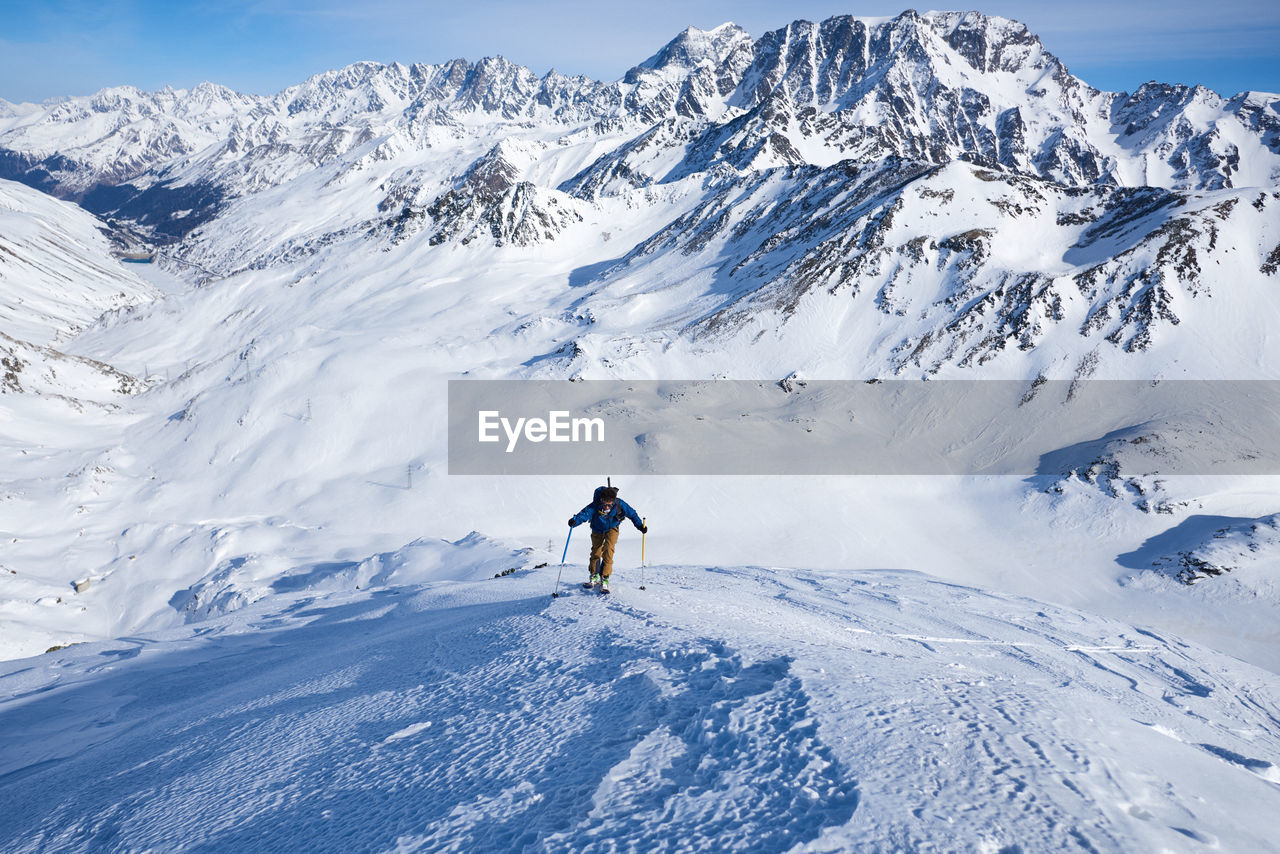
245, 440
815, 140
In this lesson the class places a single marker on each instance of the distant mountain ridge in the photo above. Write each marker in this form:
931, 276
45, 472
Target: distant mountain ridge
936, 87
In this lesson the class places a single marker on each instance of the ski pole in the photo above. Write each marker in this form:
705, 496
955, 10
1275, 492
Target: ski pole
556, 590
643, 521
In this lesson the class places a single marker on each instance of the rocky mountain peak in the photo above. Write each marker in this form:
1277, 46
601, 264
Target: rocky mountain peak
694, 48
842, 58
691, 75
492, 174
990, 43
336, 96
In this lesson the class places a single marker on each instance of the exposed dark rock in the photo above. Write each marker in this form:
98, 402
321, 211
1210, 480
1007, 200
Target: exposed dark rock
1272, 262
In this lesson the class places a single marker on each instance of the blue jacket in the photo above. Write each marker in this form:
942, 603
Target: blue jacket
600, 522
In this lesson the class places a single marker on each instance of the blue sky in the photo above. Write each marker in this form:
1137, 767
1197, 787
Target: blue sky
50, 48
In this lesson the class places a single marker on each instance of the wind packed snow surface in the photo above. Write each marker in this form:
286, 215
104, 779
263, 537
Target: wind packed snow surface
718, 709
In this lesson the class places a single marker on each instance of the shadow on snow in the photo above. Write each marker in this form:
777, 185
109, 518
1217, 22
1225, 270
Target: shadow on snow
492, 726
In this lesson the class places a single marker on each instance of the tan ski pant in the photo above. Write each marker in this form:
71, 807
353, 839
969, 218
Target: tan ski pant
602, 547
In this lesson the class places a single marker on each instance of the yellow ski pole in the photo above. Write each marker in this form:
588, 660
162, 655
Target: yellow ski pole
643, 521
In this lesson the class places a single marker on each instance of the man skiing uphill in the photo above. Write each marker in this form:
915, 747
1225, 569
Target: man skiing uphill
605, 513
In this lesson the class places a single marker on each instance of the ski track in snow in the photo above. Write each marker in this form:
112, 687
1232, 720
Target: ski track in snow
721, 709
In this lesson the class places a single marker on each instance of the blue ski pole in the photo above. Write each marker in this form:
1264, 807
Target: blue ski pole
556, 592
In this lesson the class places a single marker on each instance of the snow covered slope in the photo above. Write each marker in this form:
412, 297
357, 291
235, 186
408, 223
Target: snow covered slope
722, 708
58, 274
57, 270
